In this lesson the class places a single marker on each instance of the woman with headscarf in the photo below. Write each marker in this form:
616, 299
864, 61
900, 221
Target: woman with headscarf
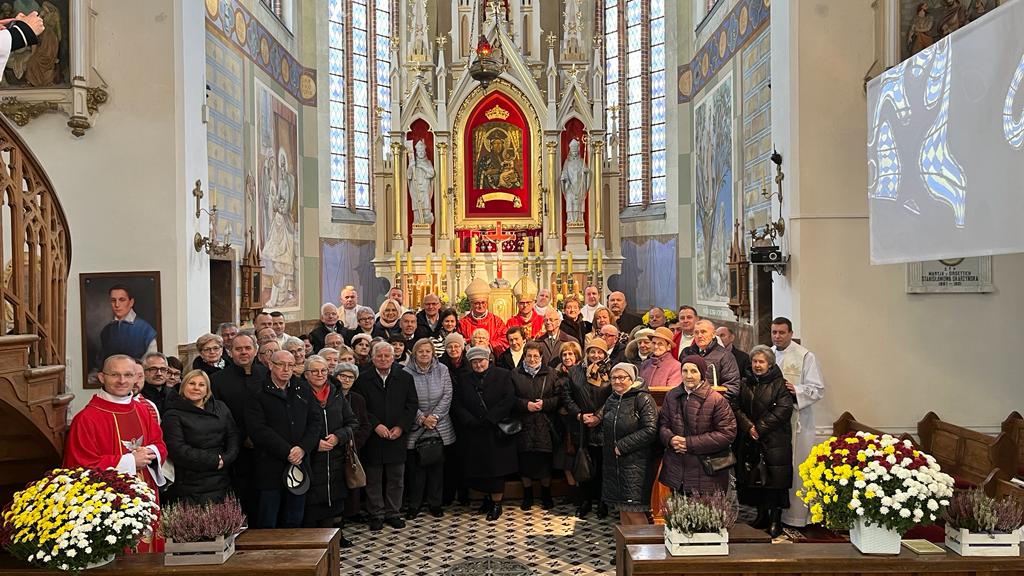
325, 500
630, 429
536, 405
434, 391
584, 398
486, 398
763, 410
695, 422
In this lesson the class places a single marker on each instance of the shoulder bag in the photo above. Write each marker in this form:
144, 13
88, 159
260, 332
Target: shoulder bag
507, 426
582, 466
430, 445
355, 476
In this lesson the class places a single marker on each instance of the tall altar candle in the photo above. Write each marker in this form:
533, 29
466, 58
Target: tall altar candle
536, 246
408, 262
472, 247
458, 246
569, 266
558, 264
526, 246
398, 263
600, 262
428, 269
444, 265
590, 261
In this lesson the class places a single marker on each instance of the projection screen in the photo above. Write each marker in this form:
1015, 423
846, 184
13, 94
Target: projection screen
946, 146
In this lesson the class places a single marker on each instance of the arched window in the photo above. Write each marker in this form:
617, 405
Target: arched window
634, 45
359, 61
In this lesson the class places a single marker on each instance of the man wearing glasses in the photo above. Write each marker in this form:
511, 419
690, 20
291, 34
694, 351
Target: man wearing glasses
155, 389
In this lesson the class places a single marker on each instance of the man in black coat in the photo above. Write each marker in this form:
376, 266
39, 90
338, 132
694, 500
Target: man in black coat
328, 323
428, 320
624, 319
285, 426
727, 338
233, 386
391, 404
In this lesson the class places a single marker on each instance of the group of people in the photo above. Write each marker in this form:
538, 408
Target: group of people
435, 406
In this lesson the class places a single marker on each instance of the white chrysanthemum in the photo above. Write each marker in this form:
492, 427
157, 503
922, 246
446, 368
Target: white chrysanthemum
860, 484
843, 481
886, 501
905, 513
860, 511
855, 503
884, 509
111, 539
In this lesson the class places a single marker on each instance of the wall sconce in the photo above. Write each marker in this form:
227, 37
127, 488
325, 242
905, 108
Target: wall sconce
199, 242
764, 251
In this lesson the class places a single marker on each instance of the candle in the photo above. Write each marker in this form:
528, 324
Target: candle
444, 264
600, 262
590, 260
472, 246
569, 266
536, 246
398, 263
526, 246
428, 268
558, 264
458, 246
408, 262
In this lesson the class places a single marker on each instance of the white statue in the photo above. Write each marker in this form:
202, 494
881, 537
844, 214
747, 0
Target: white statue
421, 185
575, 181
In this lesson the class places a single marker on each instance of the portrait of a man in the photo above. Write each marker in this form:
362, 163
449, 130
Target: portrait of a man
120, 315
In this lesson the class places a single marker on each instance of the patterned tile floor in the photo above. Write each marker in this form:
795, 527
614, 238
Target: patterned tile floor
550, 542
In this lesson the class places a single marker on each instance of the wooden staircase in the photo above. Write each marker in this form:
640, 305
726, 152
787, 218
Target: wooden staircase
36, 250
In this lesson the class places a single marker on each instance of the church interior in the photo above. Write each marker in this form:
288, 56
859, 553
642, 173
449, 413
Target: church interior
219, 159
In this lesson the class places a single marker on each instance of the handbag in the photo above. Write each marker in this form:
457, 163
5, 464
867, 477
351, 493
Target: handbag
582, 465
430, 450
507, 426
756, 473
711, 463
355, 476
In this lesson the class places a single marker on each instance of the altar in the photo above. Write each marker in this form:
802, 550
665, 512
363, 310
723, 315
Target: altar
508, 173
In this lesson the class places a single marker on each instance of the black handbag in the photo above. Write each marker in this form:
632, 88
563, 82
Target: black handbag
756, 472
430, 450
507, 426
582, 465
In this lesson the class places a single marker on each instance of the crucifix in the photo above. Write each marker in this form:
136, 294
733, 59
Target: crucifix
498, 237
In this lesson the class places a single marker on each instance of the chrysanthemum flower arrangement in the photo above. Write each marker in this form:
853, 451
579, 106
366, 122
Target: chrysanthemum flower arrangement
73, 518
880, 479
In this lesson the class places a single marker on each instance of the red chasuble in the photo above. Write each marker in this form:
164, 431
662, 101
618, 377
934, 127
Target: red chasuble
494, 326
533, 327
105, 431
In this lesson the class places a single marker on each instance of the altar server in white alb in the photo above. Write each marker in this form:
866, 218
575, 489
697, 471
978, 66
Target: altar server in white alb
17, 33
804, 379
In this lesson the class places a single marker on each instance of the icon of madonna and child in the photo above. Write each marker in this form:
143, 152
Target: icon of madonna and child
497, 153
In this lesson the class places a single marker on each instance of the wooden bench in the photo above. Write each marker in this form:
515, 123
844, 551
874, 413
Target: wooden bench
244, 563
972, 458
796, 559
848, 423
328, 539
1013, 427
655, 534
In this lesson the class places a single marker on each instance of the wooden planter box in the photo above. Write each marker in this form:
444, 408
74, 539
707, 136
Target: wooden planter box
967, 543
191, 553
698, 544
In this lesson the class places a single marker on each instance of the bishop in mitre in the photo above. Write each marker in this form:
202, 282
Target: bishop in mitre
525, 292
480, 317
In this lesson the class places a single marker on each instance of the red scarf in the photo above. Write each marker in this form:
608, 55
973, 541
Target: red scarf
322, 394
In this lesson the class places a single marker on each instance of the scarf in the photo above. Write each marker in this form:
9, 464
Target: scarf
532, 371
322, 393
598, 374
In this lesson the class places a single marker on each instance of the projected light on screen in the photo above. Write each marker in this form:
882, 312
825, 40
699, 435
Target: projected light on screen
944, 133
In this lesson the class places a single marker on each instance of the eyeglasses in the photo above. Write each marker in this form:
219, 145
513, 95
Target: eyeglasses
346, 376
318, 371
211, 349
620, 378
364, 318
288, 365
120, 375
157, 369
174, 373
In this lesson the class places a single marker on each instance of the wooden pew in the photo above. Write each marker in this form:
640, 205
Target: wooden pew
972, 458
328, 539
1013, 427
655, 534
243, 563
848, 423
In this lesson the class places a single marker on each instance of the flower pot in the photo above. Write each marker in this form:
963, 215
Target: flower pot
874, 539
100, 562
967, 543
697, 544
208, 552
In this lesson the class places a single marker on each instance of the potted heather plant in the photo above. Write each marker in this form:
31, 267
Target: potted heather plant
200, 533
698, 525
977, 525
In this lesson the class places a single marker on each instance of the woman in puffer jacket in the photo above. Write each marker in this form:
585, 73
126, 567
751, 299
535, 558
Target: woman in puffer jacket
584, 397
630, 427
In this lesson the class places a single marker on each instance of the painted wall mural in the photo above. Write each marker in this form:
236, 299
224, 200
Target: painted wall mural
739, 27
713, 158
277, 203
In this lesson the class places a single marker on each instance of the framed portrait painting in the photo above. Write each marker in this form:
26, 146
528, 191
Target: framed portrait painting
120, 315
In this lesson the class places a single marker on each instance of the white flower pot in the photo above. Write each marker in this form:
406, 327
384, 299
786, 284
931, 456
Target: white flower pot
209, 552
967, 543
874, 539
99, 563
697, 544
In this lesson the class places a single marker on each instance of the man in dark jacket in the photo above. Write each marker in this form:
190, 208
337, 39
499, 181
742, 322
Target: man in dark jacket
616, 349
155, 388
391, 404
285, 427
624, 319
727, 338
721, 364
233, 386
428, 320
328, 324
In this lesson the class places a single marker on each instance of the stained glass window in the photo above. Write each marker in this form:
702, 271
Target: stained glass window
634, 52
359, 56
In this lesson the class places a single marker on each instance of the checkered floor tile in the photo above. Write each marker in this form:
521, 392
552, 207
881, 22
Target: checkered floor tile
549, 542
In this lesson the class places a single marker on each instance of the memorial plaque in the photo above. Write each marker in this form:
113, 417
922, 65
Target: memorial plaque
960, 275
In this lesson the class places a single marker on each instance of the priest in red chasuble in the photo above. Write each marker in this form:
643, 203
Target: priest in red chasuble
480, 317
525, 292
116, 430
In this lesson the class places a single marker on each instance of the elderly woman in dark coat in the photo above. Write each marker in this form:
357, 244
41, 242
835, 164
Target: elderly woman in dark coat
763, 410
326, 497
584, 397
486, 397
695, 421
433, 423
630, 427
454, 358
536, 406
347, 373
201, 439
211, 354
